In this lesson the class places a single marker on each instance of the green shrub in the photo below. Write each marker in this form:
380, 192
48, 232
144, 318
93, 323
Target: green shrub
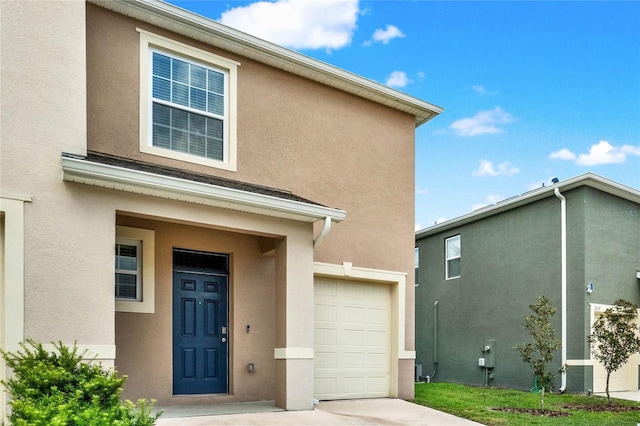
57, 388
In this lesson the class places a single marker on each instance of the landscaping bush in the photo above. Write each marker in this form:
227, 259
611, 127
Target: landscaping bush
57, 388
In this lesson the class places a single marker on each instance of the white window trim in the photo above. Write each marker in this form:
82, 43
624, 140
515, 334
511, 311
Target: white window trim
147, 42
447, 258
147, 280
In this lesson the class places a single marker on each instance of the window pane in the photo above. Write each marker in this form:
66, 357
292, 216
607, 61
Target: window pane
180, 94
126, 286
215, 104
179, 141
161, 114
180, 71
214, 149
453, 247
198, 77
179, 119
197, 124
199, 99
161, 136
216, 82
161, 65
126, 257
161, 89
214, 128
454, 268
197, 145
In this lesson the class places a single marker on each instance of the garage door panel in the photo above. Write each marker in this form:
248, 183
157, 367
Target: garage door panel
353, 340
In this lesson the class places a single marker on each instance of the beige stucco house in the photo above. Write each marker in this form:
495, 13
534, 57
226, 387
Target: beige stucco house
219, 218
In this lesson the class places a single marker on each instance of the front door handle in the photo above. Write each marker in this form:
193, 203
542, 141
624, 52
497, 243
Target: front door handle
224, 340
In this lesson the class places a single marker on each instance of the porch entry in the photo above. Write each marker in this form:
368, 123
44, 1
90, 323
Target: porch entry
200, 322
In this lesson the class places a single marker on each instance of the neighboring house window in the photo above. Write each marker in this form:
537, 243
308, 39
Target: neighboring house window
187, 103
452, 250
416, 252
134, 270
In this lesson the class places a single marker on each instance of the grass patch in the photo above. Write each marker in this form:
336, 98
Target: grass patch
490, 406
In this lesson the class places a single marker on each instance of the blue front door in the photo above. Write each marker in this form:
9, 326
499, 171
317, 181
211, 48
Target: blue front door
199, 333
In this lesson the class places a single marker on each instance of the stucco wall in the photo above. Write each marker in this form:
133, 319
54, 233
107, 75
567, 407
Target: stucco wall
43, 112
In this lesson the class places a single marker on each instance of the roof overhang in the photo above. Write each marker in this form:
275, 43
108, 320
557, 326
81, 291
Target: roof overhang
188, 24
588, 179
145, 183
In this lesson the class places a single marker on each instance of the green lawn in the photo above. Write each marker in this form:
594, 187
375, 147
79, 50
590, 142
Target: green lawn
476, 403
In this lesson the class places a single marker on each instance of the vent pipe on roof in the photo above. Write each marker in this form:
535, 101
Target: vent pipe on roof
325, 231
563, 232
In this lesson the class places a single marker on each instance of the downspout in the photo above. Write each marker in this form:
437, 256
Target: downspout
325, 231
563, 232
435, 342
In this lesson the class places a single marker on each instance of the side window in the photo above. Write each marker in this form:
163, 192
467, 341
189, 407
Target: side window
416, 252
128, 269
452, 254
187, 103
134, 270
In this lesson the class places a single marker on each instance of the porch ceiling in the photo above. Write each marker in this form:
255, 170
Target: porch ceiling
174, 184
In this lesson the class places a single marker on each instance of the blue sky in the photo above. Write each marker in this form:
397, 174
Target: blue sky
531, 90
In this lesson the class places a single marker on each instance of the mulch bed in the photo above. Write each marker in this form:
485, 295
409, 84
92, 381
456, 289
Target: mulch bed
601, 407
533, 411
554, 413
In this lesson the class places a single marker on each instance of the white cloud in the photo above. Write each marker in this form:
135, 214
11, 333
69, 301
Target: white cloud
481, 123
417, 227
479, 89
601, 153
383, 36
420, 191
441, 219
486, 168
488, 200
563, 154
298, 24
398, 79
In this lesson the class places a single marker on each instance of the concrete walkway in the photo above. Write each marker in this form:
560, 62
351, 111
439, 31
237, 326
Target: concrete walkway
348, 412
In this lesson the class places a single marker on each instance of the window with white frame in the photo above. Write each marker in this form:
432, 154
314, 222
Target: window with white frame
187, 103
416, 253
452, 254
128, 269
134, 270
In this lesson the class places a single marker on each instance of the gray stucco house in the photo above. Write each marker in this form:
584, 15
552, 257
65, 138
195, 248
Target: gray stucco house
576, 242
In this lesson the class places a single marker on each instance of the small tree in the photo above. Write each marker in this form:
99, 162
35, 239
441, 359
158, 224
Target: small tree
615, 337
539, 353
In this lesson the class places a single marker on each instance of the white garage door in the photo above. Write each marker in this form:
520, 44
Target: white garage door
352, 339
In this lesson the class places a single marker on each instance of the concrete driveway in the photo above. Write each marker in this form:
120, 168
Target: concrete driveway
349, 412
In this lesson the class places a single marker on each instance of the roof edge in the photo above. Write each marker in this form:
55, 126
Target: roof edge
189, 24
129, 180
587, 179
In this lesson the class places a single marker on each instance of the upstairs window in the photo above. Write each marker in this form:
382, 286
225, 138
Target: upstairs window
189, 112
187, 103
452, 254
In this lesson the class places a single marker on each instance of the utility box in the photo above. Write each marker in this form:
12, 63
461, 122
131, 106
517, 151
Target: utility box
489, 351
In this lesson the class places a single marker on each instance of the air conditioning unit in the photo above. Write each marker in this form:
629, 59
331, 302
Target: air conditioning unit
418, 372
